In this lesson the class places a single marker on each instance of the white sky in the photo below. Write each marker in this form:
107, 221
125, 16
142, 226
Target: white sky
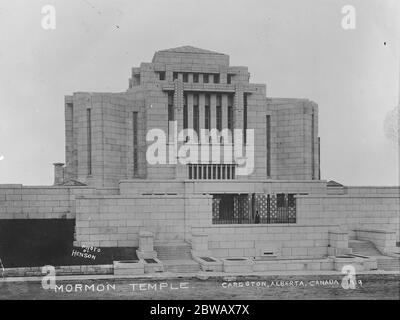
298, 48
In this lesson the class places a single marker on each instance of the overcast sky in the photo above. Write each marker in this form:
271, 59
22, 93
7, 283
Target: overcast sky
298, 48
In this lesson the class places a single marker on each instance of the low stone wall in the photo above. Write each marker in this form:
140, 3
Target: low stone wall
373, 212
22, 202
372, 191
285, 241
137, 187
115, 221
60, 271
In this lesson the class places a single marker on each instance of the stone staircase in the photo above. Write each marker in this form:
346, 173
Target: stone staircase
362, 247
176, 257
367, 248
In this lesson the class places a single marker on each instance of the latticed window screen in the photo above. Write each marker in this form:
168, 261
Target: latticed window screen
241, 206
271, 208
215, 208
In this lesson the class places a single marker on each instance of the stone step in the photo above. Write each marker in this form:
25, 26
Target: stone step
181, 266
179, 251
363, 248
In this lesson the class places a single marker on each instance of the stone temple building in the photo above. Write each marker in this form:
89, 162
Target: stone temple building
267, 200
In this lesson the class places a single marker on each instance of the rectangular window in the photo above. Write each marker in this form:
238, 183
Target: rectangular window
219, 112
190, 171
229, 78
175, 76
216, 78
207, 100
206, 78
268, 141
244, 117
195, 77
312, 148
194, 171
185, 111
136, 79
230, 113
135, 143
171, 116
207, 113
185, 77
89, 142
319, 158
196, 113
161, 75
207, 119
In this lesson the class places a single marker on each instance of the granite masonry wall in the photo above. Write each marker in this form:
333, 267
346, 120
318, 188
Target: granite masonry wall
112, 221
377, 211
283, 240
20, 202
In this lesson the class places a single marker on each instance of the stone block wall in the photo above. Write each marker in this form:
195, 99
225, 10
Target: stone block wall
20, 202
138, 187
115, 221
379, 212
286, 241
385, 241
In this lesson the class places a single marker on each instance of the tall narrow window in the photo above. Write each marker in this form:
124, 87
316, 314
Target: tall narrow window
229, 78
89, 142
196, 113
195, 77
207, 113
135, 143
175, 76
312, 148
219, 112
185, 77
230, 113
185, 111
171, 116
206, 78
268, 141
244, 117
319, 158
216, 78
161, 75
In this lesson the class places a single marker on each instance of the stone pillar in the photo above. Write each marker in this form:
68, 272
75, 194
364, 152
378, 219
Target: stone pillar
338, 243
58, 174
146, 250
200, 245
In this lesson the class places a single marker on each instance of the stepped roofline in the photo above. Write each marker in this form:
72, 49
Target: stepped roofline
190, 49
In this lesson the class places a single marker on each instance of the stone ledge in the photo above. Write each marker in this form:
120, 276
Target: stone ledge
374, 230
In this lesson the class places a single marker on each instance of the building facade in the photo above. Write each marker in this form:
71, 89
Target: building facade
198, 89
133, 163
